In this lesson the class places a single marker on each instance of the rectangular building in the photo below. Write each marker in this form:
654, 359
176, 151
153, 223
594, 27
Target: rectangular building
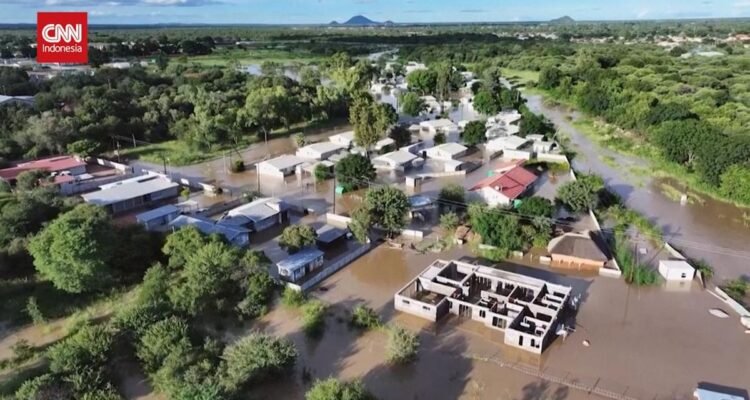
297, 265
526, 309
133, 193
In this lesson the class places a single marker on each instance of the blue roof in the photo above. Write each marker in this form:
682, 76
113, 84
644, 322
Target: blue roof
299, 259
209, 227
157, 213
419, 201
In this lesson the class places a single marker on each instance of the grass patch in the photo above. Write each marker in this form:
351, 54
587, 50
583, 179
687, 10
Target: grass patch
517, 76
738, 290
225, 57
609, 161
675, 194
634, 273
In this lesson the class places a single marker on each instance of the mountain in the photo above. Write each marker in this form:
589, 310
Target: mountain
358, 20
563, 20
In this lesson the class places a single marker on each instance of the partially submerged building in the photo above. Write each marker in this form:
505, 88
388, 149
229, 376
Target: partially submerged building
446, 151
280, 166
505, 186
299, 264
133, 193
526, 309
258, 215
397, 160
320, 151
428, 130
56, 165
157, 217
234, 235
580, 251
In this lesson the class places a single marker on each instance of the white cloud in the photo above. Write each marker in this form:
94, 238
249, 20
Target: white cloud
742, 4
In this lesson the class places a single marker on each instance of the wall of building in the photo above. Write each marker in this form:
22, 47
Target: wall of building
330, 269
566, 261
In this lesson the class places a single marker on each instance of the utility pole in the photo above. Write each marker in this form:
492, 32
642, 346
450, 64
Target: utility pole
334, 193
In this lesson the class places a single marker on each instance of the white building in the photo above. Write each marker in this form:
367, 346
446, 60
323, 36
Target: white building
132, 193
345, 139
258, 215
280, 166
320, 151
526, 309
676, 270
397, 160
412, 66
542, 147
446, 151
507, 117
20, 100
506, 143
428, 130
433, 105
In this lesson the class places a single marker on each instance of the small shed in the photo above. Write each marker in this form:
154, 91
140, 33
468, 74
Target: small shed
676, 270
299, 264
158, 217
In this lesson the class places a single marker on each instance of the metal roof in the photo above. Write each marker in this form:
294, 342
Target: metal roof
321, 148
298, 260
398, 157
328, 233
284, 162
157, 213
129, 189
450, 148
209, 226
257, 210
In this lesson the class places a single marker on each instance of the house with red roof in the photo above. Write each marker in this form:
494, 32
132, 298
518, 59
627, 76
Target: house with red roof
61, 165
507, 183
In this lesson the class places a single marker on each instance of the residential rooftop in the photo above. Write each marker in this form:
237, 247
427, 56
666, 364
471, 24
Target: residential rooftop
48, 164
128, 189
299, 259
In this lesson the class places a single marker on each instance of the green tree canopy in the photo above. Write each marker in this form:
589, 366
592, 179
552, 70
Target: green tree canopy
582, 194
474, 133
496, 227
387, 207
354, 171
296, 237
74, 252
333, 389
255, 357
412, 104
536, 207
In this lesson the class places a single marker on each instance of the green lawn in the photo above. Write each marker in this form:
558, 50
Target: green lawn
521, 76
254, 56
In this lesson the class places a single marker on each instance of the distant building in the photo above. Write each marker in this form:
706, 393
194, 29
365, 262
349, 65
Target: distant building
428, 130
345, 139
446, 151
506, 143
57, 165
234, 235
412, 66
320, 151
526, 309
27, 101
133, 193
579, 251
257, 215
506, 185
280, 166
297, 265
397, 160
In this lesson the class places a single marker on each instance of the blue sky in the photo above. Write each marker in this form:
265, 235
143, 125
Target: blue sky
323, 11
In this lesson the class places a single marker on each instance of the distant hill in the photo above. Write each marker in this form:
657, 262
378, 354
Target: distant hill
357, 20
563, 20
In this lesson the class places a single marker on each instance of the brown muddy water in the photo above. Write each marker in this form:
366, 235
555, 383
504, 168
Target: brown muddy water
704, 229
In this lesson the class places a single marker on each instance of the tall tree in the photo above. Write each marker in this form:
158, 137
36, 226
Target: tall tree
74, 252
412, 104
354, 171
387, 207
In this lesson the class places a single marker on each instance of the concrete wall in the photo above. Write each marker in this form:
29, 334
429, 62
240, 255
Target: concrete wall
71, 188
338, 220
517, 154
556, 158
412, 234
417, 308
111, 164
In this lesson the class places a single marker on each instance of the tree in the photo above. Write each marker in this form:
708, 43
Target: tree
181, 244
296, 237
439, 138
161, 60
402, 345
74, 252
371, 120
5, 186
299, 139
313, 317
534, 124
259, 284
735, 183
255, 357
452, 195
88, 348
387, 207
486, 102
84, 148
354, 171
549, 77
333, 389
401, 135
582, 194
412, 104
536, 207
449, 222
496, 227
423, 81
474, 133
205, 279
681, 141
360, 224
28, 180
168, 336
322, 172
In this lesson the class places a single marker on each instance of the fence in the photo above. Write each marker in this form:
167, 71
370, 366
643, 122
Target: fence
111, 164
330, 269
555, 158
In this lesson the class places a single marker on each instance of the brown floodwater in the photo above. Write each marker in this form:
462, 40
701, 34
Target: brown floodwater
705, 228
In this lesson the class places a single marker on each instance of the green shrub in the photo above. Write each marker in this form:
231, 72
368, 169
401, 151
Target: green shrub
255, 357
32, 309
402, 345
313, 317
737, 289
292, 298
87, 348
365, 317
333, 389
237, 166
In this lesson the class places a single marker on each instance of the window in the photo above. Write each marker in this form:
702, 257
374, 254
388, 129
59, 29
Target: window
684, 275
482, 313
426, 308
405, 301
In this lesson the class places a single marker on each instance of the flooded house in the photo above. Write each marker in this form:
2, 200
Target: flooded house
320, 151
505, 185
297, 265
258, 215
280, 166
446, 151
428, 130
526, 309
579, 251
133, 193
397, 161
234, 235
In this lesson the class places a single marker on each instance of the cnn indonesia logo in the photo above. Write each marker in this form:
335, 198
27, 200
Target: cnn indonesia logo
62, 37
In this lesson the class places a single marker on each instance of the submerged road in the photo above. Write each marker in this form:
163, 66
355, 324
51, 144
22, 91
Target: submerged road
715, 231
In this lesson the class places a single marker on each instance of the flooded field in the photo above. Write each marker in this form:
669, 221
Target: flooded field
710, 229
